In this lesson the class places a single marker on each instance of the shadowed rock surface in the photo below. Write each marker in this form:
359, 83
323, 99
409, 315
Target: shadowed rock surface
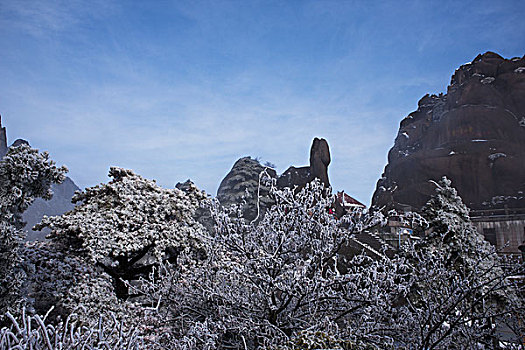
242, 180
318, 168
474, 134
19, 142
3, 140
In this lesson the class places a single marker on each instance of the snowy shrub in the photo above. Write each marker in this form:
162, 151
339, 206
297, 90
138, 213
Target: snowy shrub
461, 292
25, 174
127, 226
32, 332
64, 281
263, 285
282, 284
133, 249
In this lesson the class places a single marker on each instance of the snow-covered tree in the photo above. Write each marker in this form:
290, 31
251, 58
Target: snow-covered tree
282, 283
128, 225
265, 284
461, 287
25, 174
451, 231
63, 281
448, 309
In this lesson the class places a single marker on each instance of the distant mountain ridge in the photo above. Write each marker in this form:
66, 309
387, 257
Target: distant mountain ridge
474, 134
58, 205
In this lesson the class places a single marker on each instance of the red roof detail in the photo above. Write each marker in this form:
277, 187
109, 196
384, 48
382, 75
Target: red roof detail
348, 200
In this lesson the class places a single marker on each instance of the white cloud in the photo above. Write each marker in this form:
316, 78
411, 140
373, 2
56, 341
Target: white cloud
40, 17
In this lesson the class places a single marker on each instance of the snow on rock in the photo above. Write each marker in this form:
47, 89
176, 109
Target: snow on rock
495, 156
469, 119
487, 80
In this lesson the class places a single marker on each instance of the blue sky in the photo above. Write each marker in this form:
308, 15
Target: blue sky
178, 90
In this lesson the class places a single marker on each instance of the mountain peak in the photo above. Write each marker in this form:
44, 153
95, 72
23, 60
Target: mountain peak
474, 134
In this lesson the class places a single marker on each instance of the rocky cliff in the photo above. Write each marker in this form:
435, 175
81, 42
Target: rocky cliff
474, 134
318, 168
243, 179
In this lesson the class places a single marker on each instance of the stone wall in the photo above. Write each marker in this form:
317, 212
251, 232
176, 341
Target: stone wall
508, 233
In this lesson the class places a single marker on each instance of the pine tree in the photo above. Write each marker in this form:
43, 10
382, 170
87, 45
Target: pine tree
460, 288
452, 232
25, 174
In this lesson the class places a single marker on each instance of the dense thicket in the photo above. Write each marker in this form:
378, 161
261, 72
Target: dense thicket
133, 251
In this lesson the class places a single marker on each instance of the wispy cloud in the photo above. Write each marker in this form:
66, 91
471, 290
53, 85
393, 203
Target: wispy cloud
39, 17
181, 90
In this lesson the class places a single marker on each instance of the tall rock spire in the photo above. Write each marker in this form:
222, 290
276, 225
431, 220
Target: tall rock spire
3, 140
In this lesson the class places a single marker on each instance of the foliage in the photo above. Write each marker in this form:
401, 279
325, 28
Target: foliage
281, 282
25, 174
63, 281
452, 233
31, 332
446, 307
461, 288
264, 284
128, 225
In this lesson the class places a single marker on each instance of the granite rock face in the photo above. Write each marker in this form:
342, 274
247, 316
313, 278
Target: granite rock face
318, 168
320, 160
19, 142
474, 134
3, 140
244, 179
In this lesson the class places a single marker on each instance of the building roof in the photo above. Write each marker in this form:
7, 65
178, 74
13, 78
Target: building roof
348, 201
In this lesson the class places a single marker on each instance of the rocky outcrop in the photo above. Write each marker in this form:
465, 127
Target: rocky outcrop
19, 142
243, 182
474, 134
3, 140
244, 179
319, 161
318, 168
